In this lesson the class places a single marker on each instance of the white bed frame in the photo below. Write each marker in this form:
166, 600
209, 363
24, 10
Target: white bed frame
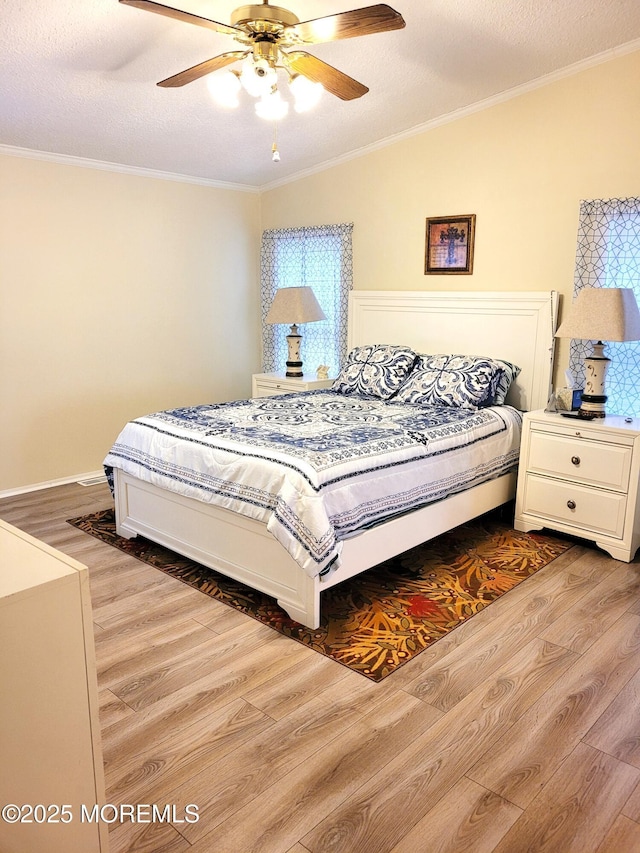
518, 327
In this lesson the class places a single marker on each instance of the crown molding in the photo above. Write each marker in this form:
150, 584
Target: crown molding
471, 109
138, 171
455, 115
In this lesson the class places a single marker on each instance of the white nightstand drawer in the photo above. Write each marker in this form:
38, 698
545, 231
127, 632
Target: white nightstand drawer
272, 389
272, 384
590, 510
580, 460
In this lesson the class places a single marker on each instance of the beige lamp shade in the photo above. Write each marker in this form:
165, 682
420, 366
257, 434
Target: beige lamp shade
295, 305
602, 314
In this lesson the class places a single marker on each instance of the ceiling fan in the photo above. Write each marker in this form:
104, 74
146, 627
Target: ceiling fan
264, 30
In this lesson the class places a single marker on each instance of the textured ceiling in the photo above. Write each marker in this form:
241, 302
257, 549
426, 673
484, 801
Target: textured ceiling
77, 78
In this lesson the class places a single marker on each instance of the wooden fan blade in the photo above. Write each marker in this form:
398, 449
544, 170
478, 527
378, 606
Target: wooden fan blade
346, 25
202, 68
334, 81
179, 15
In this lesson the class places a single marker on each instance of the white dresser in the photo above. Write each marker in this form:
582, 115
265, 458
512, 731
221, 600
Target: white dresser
50, 748
581, 477
270, 384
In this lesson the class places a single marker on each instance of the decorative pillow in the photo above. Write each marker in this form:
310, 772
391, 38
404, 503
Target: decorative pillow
508, 373
466, 381
377, 370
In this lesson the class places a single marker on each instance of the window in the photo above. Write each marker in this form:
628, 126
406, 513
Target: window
321, 258
608, 255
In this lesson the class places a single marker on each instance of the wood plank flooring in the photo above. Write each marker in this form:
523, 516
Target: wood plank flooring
519, 731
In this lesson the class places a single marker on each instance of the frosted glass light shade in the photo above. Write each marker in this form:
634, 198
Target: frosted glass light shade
224, 87
305, 92
272, 107
258, 77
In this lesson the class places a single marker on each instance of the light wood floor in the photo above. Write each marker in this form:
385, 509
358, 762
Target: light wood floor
519, 731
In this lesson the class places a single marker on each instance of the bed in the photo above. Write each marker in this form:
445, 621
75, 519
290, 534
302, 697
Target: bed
228, 525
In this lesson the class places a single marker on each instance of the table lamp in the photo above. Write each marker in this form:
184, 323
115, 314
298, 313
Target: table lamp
600, 314
294, 305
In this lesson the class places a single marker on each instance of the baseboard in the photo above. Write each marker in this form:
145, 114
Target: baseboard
49, 484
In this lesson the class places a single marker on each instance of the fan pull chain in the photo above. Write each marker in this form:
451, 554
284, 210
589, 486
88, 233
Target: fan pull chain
275, 154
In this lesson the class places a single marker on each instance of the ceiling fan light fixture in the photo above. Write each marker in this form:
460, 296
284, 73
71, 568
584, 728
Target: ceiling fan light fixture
264, 30
306, 93
272, 107
224, 87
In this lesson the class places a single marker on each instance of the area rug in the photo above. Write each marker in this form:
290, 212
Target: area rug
384, 617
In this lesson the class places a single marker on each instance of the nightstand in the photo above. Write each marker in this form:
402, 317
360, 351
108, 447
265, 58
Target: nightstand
270, 384
581, 477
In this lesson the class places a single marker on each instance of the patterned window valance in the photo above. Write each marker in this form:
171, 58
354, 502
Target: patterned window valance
608, 255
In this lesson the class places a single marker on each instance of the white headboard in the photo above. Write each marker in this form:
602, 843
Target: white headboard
518, 327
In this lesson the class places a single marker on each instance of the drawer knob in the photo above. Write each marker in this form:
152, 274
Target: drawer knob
575, 460
571, 504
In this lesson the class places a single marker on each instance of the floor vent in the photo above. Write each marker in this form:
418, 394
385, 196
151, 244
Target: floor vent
92, 481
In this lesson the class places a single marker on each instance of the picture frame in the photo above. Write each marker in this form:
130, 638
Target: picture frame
449, 245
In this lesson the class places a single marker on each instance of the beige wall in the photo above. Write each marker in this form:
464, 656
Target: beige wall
119, 295
521, 166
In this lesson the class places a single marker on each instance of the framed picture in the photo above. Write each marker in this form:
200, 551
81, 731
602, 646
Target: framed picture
449, 245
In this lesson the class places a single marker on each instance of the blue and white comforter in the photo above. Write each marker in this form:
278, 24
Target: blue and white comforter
318, 467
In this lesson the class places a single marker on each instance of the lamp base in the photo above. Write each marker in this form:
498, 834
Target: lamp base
593, 396
592, 407
294, 363
294, 368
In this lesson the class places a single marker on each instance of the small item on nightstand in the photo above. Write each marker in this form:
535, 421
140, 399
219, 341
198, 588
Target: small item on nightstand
569, 398
552, 403
577, 416
323, 371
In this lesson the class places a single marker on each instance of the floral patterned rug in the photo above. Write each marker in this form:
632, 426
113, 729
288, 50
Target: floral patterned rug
384, 617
